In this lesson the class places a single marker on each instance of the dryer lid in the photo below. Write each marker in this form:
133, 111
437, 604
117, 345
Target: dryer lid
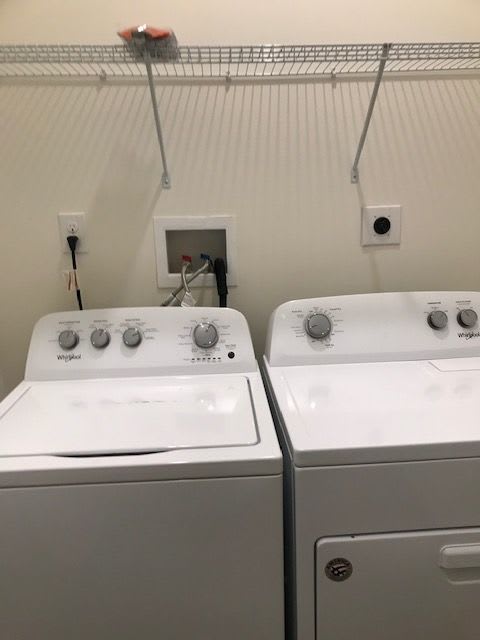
380, 412
127, 416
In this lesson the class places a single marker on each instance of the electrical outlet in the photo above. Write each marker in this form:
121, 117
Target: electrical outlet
72, 224
381, 225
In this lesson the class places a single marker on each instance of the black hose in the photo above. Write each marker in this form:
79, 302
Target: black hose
221, 277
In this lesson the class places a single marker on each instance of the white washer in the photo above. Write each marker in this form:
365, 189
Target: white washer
377, 401
140, 482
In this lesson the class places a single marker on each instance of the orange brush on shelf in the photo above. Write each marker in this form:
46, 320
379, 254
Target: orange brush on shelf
161, 43
150, 32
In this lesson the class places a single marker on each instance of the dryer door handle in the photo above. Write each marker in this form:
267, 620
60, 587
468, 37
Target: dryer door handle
460, 556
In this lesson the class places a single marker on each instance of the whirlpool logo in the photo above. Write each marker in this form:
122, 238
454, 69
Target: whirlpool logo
68, 357
468, 335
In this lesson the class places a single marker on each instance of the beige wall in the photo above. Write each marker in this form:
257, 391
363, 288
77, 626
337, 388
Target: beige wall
248, 21
277, 156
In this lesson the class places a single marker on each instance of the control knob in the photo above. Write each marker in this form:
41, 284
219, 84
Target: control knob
205, 335
437, 319
132, 337
100, 338
467, 318
318, 325
68, 339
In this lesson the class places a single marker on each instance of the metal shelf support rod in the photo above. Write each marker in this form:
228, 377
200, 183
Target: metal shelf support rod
166, 183
371, 106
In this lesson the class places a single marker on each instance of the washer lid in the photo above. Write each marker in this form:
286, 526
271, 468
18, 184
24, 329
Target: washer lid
380, 412
90, 418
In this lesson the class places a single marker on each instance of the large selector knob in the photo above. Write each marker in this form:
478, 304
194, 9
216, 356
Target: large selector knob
100, 338
68, 339
132, 337
437, 319
205, 335
318, 325
467, 318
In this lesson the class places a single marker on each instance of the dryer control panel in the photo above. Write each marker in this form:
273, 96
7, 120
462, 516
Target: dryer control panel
139, 342
375, 327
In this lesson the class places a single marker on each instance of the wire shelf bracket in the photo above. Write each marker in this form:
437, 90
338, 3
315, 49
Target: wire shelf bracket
143, 50
166, 182
381, 68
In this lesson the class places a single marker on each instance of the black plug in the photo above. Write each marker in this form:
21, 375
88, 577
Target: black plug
72, 243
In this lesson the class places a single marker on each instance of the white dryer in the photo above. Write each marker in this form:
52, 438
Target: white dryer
140, 482
377, 402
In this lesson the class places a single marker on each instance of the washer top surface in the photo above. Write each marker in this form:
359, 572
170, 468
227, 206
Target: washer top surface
132, 395
125, 416
387, 384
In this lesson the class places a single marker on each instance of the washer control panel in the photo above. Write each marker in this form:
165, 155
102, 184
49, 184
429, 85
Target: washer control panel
375, 327
145, 341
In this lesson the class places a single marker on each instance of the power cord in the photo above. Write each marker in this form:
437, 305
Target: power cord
72, 243
221, 278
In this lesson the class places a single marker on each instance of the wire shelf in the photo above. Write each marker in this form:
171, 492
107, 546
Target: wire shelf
159, 60
262, 61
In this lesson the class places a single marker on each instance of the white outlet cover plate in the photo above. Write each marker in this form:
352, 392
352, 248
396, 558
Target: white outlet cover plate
161, 224
67, 222
370, 214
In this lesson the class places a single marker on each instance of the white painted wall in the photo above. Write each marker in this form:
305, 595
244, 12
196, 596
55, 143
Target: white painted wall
249, 21
277, 156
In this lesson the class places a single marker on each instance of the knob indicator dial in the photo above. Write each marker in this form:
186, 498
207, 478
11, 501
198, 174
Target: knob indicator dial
205, 335
467, 318
318, 326
132, 337
437, 319
100, 338
68, 339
